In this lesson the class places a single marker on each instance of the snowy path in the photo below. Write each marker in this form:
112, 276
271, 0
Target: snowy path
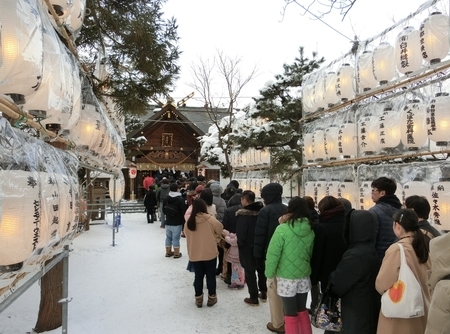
133, 289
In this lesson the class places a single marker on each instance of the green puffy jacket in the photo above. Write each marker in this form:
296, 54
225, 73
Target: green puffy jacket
290, 250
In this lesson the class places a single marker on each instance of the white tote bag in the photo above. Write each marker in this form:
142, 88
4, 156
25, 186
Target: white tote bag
404, 299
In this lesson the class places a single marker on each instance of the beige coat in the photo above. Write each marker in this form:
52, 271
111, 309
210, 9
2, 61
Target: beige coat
202, 243
388, 275
439, 314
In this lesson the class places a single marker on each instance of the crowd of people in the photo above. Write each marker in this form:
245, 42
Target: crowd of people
282, 253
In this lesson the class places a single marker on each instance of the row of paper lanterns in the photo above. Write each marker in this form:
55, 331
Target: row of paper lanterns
39, 73
437, 194
412, 126
39, 197
250, 158
429, 44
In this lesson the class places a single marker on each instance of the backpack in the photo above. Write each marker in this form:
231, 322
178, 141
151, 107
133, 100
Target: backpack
171, 211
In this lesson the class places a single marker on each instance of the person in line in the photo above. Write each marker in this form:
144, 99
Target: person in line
221, 206
266, 224
237, 279
354, 277
422, 208
288, 262
207, 195
246, 218
329, 244
202, 231
439, 283
406, 229
150, 204
229, 223
386, 204
161, 195
174, 207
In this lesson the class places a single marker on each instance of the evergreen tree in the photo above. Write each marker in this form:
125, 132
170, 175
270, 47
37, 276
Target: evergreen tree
280, 105
137, 44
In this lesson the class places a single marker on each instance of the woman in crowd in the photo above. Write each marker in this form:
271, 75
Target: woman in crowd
329, 244
406, 229
288, 261
354, 278
202, 233
439, 283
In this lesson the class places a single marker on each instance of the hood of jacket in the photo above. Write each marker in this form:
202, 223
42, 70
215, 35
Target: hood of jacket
271, 193
392, 200
216, 189
164, 186
250, 210
300, 227
174, 194
360, 226
234, 200
440, 258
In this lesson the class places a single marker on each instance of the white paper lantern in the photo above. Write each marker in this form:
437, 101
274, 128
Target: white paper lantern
349, 191
319, 92
413, 125
438, 119
265, 156
383, 62
440, 207
117, 193
319, 145
368, 135
20, 215
309, 189
332, 188
308, 148
51, 98
22, 49
365, 196
347, 141
418, 187
434, 31
308, 99
365, 78
320, 190
407, 51
330, 97
331, 143
388, 129
345, 82
87, 130
74, 20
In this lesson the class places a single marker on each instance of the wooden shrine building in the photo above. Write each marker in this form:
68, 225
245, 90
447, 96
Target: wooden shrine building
172, 148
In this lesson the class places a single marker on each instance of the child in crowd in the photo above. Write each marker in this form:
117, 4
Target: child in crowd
232, 256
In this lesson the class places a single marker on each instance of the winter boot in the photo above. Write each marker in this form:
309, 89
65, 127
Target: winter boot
176, 253
211, 300
304, 322
199, 300
291, 325
169, 252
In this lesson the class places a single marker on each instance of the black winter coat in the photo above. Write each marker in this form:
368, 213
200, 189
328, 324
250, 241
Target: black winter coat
246, 218
268, 218
179, 203
385, 208
229, 217
150, 199
329, 245
354, 278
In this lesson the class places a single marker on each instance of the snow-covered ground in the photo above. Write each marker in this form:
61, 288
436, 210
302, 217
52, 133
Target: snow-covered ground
133, 289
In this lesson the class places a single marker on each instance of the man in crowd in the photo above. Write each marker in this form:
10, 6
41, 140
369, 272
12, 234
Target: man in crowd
265, 227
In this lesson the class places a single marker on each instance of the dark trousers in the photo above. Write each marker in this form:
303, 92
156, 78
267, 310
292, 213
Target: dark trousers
293, 305
151, 215
202, 268
254, 283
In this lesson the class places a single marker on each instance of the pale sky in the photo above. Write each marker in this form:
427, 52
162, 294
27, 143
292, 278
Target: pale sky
257, 31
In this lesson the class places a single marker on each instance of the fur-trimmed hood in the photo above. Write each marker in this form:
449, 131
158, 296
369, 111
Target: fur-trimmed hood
250, 210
